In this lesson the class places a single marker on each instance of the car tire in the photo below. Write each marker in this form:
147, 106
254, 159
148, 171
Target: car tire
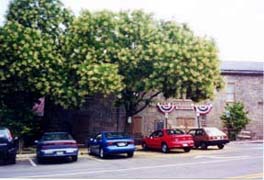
220, 146
74, 158
144, 146
164, 148
101, 153
187, 149
130, 154
90, 151
203, 145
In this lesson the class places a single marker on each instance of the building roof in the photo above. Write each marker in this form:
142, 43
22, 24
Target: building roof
242, 67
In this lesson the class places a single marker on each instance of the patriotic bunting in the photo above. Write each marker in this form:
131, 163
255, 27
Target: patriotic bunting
203, 109
166, 108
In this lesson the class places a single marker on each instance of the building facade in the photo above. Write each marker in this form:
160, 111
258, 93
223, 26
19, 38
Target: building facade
244, 83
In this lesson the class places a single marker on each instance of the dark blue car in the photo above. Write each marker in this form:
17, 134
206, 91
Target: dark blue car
57, 144
106, 143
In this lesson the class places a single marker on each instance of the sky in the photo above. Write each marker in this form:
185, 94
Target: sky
237, 26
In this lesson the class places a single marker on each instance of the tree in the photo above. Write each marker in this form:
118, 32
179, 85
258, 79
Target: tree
235, 119
153, 56
33, 62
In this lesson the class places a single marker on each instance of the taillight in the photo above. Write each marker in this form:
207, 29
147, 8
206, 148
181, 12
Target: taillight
110, 143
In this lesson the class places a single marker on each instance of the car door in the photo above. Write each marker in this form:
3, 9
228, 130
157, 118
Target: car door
95, 144
199, 136
151, 140
157, 139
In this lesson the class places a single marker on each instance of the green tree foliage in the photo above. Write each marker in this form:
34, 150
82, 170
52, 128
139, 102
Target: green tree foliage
153, 56
34, 64
235, 119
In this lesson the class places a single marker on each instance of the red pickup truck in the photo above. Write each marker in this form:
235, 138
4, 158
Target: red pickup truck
166, 139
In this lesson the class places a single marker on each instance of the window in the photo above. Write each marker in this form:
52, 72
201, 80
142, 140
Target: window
160, 133
115, 135
230, 92
98, 137
192, 132
199, 132
174, 131
159, 125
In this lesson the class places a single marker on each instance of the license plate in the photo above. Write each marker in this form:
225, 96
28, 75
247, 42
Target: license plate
59, 153
121, 144
218, 138
185, 145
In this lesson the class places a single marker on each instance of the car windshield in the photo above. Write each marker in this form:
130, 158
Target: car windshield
214, 132
56, 136
4, 136
115, 135
174, 132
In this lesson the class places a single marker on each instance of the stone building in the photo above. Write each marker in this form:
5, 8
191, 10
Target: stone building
244, 83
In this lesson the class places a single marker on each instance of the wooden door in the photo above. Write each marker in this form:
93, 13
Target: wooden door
185, 123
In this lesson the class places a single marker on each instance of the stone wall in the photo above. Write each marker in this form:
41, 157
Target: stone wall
249, 91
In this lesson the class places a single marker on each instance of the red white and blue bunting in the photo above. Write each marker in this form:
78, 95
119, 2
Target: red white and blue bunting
203, 109
166, 108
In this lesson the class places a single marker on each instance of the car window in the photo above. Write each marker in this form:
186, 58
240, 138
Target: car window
98, 137
199, 132
191, 132
5, 135
159, 133
154, 134
214, 132
174, 131
56, 136
116, 135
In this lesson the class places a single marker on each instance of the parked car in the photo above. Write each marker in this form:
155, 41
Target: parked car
106, 143
167, 139
208, 136
8, 146
56, 144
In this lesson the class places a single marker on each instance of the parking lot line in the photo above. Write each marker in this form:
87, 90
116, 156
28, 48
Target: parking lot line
137, 168
249, 176
32, 162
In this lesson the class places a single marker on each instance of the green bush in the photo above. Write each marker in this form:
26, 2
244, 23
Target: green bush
235, 119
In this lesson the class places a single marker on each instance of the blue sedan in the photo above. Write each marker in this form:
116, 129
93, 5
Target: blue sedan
106, 143
55, 145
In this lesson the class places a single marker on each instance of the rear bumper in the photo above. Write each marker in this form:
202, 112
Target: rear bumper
218, 142
65, 152
181, 144
118, 150
7, 153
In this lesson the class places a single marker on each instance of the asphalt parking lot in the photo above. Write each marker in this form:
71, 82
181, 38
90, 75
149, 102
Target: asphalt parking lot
236, 160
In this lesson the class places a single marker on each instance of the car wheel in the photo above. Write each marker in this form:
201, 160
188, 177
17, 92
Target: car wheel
144, 146
220, 146
74, 158
90, 151
130, 154
164, 148
101, 153
187, 149
203, 145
